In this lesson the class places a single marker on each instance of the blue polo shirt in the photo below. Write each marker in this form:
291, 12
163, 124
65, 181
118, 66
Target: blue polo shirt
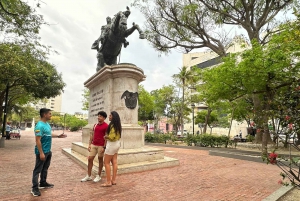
44, 130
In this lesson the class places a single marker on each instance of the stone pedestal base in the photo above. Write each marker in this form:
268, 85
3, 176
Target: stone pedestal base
132, 136
114, 88
129, 160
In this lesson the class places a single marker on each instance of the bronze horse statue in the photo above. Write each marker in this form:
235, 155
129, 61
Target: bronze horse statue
116, 35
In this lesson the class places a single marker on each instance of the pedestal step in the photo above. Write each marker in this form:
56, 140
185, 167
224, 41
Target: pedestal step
124, 168
126, 156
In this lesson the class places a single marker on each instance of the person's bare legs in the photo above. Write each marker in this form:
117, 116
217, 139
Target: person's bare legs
115, 168
90, 165
107, 159
100, 159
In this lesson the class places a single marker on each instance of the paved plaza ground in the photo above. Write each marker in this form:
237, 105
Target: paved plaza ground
199, 176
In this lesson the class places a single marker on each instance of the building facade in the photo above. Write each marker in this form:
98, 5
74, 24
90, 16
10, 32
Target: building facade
51, 103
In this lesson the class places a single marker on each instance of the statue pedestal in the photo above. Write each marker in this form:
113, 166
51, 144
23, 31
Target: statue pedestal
107, 88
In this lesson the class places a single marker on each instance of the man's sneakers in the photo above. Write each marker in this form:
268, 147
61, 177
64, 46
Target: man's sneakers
35, 192
45, 185
97, 179
86, 178
89, 178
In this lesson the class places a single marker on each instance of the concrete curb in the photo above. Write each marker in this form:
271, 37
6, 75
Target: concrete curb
279, 193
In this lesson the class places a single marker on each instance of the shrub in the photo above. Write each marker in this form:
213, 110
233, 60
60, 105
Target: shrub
149, 137
74, 128
250, 138
224, 140
206, 140
190, 139
156, 138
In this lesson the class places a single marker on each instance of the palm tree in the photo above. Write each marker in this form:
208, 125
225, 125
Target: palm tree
183, 78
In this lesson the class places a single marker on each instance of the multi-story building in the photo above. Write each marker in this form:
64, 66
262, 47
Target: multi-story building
51, 103
80, 115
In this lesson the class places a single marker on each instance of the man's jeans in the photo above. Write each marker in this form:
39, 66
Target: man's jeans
41, 167
8, 135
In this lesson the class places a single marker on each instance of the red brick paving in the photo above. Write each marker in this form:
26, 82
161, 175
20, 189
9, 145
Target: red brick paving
199, 177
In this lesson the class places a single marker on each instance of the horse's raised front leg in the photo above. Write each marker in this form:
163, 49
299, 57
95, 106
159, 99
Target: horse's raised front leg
132, 29
142, 36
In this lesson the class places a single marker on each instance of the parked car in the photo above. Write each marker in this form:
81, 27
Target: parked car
292, 137
184, 133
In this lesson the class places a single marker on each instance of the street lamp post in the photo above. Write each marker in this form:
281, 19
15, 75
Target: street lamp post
193, 107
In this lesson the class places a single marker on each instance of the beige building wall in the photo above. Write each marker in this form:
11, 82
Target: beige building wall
81, 115
192, 59
51, 103
55, 103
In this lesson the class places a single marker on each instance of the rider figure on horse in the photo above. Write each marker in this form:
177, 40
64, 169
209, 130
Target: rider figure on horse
113, 36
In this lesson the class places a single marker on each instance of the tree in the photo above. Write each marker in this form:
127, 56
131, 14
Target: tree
260, 71
85, 99
74, 123
183, 79
25, 70
146, 105
19, 21
57, 119
201, 118
22, 113
194, 24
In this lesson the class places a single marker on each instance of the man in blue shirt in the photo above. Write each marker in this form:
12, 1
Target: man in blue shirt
43, 139
8, 129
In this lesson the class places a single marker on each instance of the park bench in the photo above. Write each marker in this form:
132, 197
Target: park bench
239, 140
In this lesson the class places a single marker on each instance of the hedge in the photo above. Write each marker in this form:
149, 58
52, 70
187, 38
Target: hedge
204, 140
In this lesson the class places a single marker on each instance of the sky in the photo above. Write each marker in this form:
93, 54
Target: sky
76, 24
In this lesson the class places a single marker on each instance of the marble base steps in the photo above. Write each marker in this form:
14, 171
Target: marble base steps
129, 160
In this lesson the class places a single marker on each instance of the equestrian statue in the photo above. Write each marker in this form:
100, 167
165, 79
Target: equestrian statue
113, 36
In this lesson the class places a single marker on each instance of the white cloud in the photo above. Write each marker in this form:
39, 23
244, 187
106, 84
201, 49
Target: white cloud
75, 25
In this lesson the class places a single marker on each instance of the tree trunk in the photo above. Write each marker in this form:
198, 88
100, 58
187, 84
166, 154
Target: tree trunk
265, 118
182, 110
274, 130
230, 123
206, 120
258, 117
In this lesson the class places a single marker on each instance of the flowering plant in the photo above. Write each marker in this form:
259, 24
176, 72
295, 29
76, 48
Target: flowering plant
272, 158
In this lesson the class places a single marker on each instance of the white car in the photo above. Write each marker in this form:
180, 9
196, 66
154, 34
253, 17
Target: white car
292, 137
184, 133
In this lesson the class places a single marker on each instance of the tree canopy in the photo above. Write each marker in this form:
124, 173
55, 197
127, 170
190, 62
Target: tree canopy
85, 99
194, 24
146, 105
19, 21
260, 73
25, 68
24, 65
